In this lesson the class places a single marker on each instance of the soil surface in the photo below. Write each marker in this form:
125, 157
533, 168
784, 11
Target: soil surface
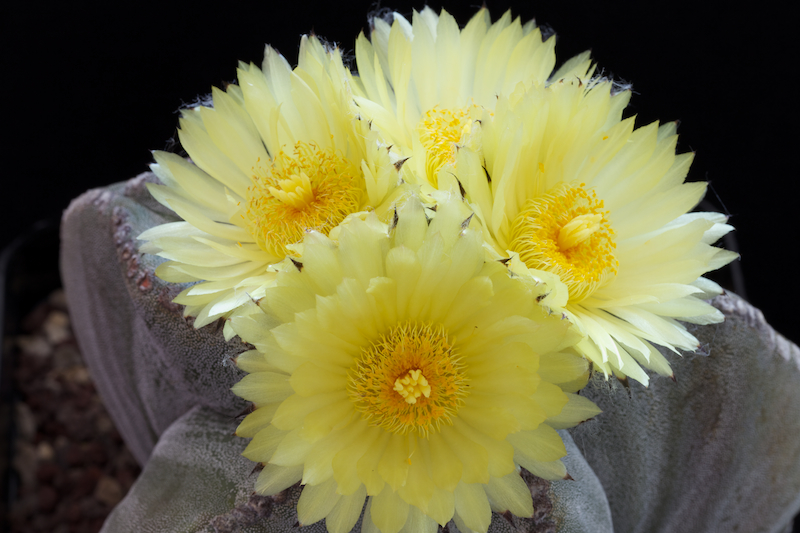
70, 464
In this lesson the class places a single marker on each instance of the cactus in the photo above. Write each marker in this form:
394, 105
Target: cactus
716, 451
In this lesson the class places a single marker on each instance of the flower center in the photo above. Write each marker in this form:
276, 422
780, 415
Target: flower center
408, 380
412, 386
442, 132
566, 232
312, 189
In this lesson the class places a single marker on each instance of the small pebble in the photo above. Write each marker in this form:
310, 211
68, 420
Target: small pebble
47, 472
108, 491
66, 356
78, 374
56, 327
34, 345
47, 499
45, 452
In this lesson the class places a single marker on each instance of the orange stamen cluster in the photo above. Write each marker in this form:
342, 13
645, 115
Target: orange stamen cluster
567, 232
408, 380
312, 189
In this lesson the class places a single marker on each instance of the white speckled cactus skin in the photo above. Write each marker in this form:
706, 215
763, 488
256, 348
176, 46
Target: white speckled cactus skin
716, 451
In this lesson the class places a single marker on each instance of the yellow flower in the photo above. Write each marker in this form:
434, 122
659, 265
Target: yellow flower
563, 185
279, 154
400, 367
425, 84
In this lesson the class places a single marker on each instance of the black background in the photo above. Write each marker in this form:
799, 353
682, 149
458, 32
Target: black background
91, 89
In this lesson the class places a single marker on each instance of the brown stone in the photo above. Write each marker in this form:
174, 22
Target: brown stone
47, 498
108, 491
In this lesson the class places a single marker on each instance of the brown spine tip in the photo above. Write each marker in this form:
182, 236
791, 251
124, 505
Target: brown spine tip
461, 189
249, 409
399, 164
568, 477
673, 378
508, 516
542, 297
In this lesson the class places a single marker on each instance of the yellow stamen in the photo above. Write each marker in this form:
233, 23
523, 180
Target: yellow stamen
408, 380
566, 232
312, 189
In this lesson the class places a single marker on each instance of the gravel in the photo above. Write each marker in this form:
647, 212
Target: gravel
71, 466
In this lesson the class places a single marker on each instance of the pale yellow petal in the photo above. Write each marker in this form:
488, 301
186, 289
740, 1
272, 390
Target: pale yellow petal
388, 511
345, 513
510, 493
316, 501
274, 479
472, 506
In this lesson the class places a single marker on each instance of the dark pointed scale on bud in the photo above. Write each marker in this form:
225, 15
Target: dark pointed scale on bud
504, 260
488, 176
568, 477
461, 190
296, 524
542, 297
465, 224
249, 409
508, 516
399, 163
258, 468
673, 378
297, 264
395, 220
